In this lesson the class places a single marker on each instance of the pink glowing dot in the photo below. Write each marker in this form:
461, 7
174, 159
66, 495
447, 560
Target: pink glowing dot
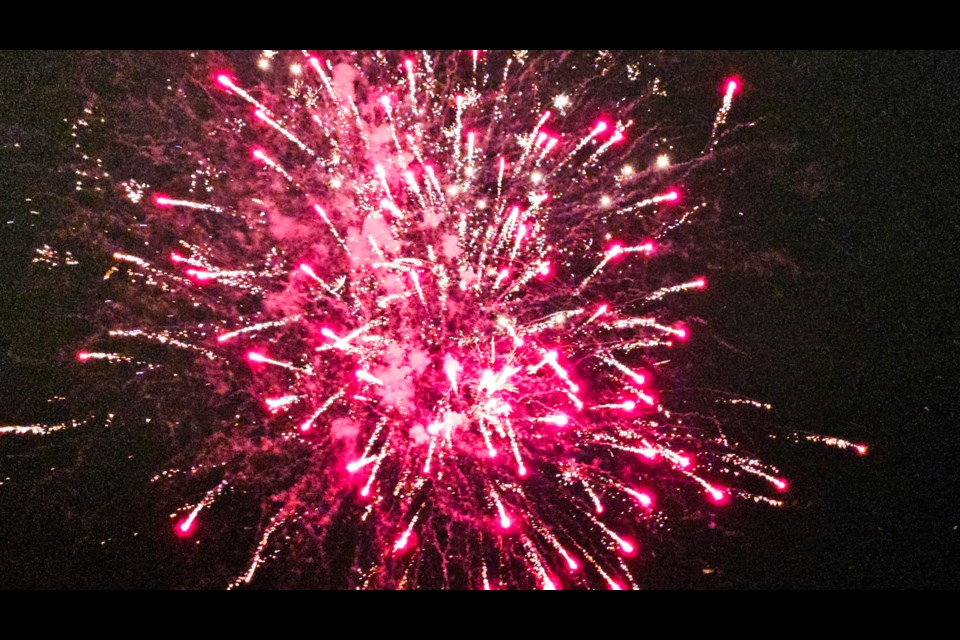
861, 449
684, 462
572, 564
492, 453
649, 247
614, 250
602, 309
600, 127
780, 484
225, 80
354, 466
258, 153
162, 200
549, 585
260, 114
629, 405
223, 337
700, 283
256, 356
365, 492
681, 331
326, 332
176, 257
505, 522
522, 471
733, 85
561, 420
627, 547
546, 268
185, 527
408, 63
305, 427
83, 355
645, 499
672, 195
718, 496
615, 586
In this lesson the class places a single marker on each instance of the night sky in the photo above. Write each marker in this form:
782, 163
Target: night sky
852, 173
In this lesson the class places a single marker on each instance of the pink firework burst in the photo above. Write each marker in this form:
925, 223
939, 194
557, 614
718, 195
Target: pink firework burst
428, 291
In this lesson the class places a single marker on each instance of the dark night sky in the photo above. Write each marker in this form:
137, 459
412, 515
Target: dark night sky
854, 176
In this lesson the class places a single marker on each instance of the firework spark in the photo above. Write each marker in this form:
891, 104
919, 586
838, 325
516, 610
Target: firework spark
439, 276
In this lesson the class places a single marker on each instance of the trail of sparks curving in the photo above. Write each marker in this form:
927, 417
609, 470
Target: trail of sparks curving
443, 269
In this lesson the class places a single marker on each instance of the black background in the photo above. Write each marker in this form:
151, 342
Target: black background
855, 177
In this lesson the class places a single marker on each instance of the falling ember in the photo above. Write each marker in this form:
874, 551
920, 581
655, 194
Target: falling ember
627, 547
432, 326
185, 527
717, 495
680, 331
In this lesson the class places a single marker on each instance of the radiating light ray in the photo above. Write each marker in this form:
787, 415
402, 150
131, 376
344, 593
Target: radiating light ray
187, 525
262, 115
230, 335
228, 83
39, 429
84, 356
732, 85
166, 201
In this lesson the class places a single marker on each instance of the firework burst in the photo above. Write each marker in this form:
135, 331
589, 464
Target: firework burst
431, 301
